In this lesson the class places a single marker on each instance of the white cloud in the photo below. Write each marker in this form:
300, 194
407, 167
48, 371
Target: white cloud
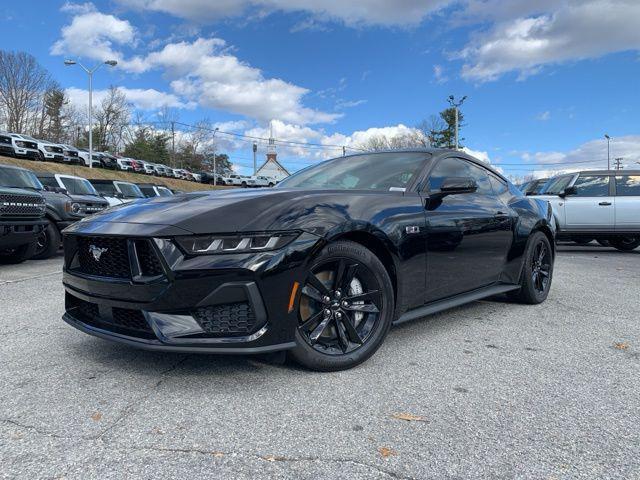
94, 35
575, 30
588, 156
202, 71
142, 99
78, 8
351, 12
438, 74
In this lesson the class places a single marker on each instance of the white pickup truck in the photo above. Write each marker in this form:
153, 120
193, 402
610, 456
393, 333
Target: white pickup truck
598, 204
262, 181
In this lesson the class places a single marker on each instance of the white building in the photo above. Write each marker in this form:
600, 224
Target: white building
272, 168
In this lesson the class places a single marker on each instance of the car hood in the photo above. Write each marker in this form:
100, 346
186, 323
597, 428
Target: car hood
241, 210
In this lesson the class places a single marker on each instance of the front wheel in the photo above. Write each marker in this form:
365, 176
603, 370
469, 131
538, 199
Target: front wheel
625, 244
48, 242
537, 272
345, 308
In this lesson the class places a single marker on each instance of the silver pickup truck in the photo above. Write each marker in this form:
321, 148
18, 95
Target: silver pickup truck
597, 204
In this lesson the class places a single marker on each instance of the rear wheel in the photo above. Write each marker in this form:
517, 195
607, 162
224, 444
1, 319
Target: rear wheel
18, 254
345, 308
625, 244
48, 242
537, 273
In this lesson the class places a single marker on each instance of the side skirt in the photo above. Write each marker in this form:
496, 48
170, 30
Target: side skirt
456, 301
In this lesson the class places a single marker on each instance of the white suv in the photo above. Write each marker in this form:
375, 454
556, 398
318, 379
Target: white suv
597, 204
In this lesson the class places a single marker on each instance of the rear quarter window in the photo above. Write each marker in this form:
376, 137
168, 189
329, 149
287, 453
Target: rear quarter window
628, 186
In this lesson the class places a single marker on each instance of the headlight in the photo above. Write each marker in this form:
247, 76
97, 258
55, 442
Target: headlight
20, 144
73, 207
241, 243
48, 149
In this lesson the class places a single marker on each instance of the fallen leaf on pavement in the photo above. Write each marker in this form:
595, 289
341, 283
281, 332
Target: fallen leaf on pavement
386, 452
621, 345
409, 417
217, 454
272, 458
96, 417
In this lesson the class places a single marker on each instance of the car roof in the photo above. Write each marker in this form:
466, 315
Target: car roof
13, 167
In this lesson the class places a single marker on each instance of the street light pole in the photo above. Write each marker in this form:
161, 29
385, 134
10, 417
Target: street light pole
215, 176
456, 106
608, 151
111, 63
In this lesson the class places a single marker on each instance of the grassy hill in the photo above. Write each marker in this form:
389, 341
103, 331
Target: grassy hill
85, 172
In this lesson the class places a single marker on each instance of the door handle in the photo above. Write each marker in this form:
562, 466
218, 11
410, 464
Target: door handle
605, 204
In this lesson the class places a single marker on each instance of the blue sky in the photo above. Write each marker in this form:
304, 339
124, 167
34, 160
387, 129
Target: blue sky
544, 82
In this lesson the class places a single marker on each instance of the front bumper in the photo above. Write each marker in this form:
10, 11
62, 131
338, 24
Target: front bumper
26, 153
14, 233
237, 303
6, 150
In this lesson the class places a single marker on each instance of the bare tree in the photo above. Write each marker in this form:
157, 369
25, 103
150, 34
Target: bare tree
413, 139
22, 85
432, 129
112, 119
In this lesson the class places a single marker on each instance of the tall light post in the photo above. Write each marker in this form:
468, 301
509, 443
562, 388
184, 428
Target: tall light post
608, 151
456, 106
215, 176
111, 63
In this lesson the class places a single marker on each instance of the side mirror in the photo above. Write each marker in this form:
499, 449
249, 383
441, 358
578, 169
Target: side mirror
458, 185
569, 191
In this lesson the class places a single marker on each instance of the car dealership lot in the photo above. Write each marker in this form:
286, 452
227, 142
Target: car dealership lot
491, 389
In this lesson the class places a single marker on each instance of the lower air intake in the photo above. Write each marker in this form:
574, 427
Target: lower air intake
230, 319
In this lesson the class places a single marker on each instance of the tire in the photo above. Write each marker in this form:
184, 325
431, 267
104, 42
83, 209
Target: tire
270, 184
48, 242
335, 331
18, 254
605, 242
41, 156
625, 244
243, 184
537, 271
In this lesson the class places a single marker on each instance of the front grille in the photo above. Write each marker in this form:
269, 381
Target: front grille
31, 145
131, 319
21, 205
57, 149
227, 320
103, 257
122, 320
149, 264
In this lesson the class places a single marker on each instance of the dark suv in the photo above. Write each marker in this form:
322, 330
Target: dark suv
63, 209
21, 220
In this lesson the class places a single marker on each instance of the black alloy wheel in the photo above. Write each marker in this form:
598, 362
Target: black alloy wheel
541, 267
537, 273
48, 242
344, 308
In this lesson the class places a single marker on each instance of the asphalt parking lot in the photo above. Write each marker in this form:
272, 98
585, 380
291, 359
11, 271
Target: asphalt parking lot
489, 390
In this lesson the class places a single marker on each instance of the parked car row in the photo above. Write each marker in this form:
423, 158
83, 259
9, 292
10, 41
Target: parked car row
36, 207
24, 146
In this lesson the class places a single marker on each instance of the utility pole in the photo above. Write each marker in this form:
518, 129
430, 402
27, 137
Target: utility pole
619, 163
255, 162
456, 106
173, 145
111, 63
608, 151
344, 151
215, 176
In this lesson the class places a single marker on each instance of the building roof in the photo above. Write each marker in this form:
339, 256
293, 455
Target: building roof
273, 160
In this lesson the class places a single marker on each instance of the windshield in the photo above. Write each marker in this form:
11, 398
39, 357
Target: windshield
12, 177
556, 186
165, 192
381, 171
130, 190
78, 186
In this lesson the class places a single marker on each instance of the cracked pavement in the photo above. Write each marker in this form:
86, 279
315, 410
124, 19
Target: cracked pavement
501, 391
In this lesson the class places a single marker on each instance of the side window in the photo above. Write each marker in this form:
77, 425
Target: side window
49, 181
448, 167
628, 186
499, 187
481, 177
592, 186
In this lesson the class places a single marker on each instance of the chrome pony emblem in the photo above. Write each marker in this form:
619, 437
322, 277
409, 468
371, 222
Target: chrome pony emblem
97, 252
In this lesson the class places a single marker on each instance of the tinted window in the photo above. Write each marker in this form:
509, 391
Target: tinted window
78, 186
49, 182
130, 190
499, 187
628, 185
592, 186
481, 177
105, 189
456, 167
147, 191
449, 167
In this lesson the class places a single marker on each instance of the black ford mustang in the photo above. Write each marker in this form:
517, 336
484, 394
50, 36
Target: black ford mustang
321, 266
